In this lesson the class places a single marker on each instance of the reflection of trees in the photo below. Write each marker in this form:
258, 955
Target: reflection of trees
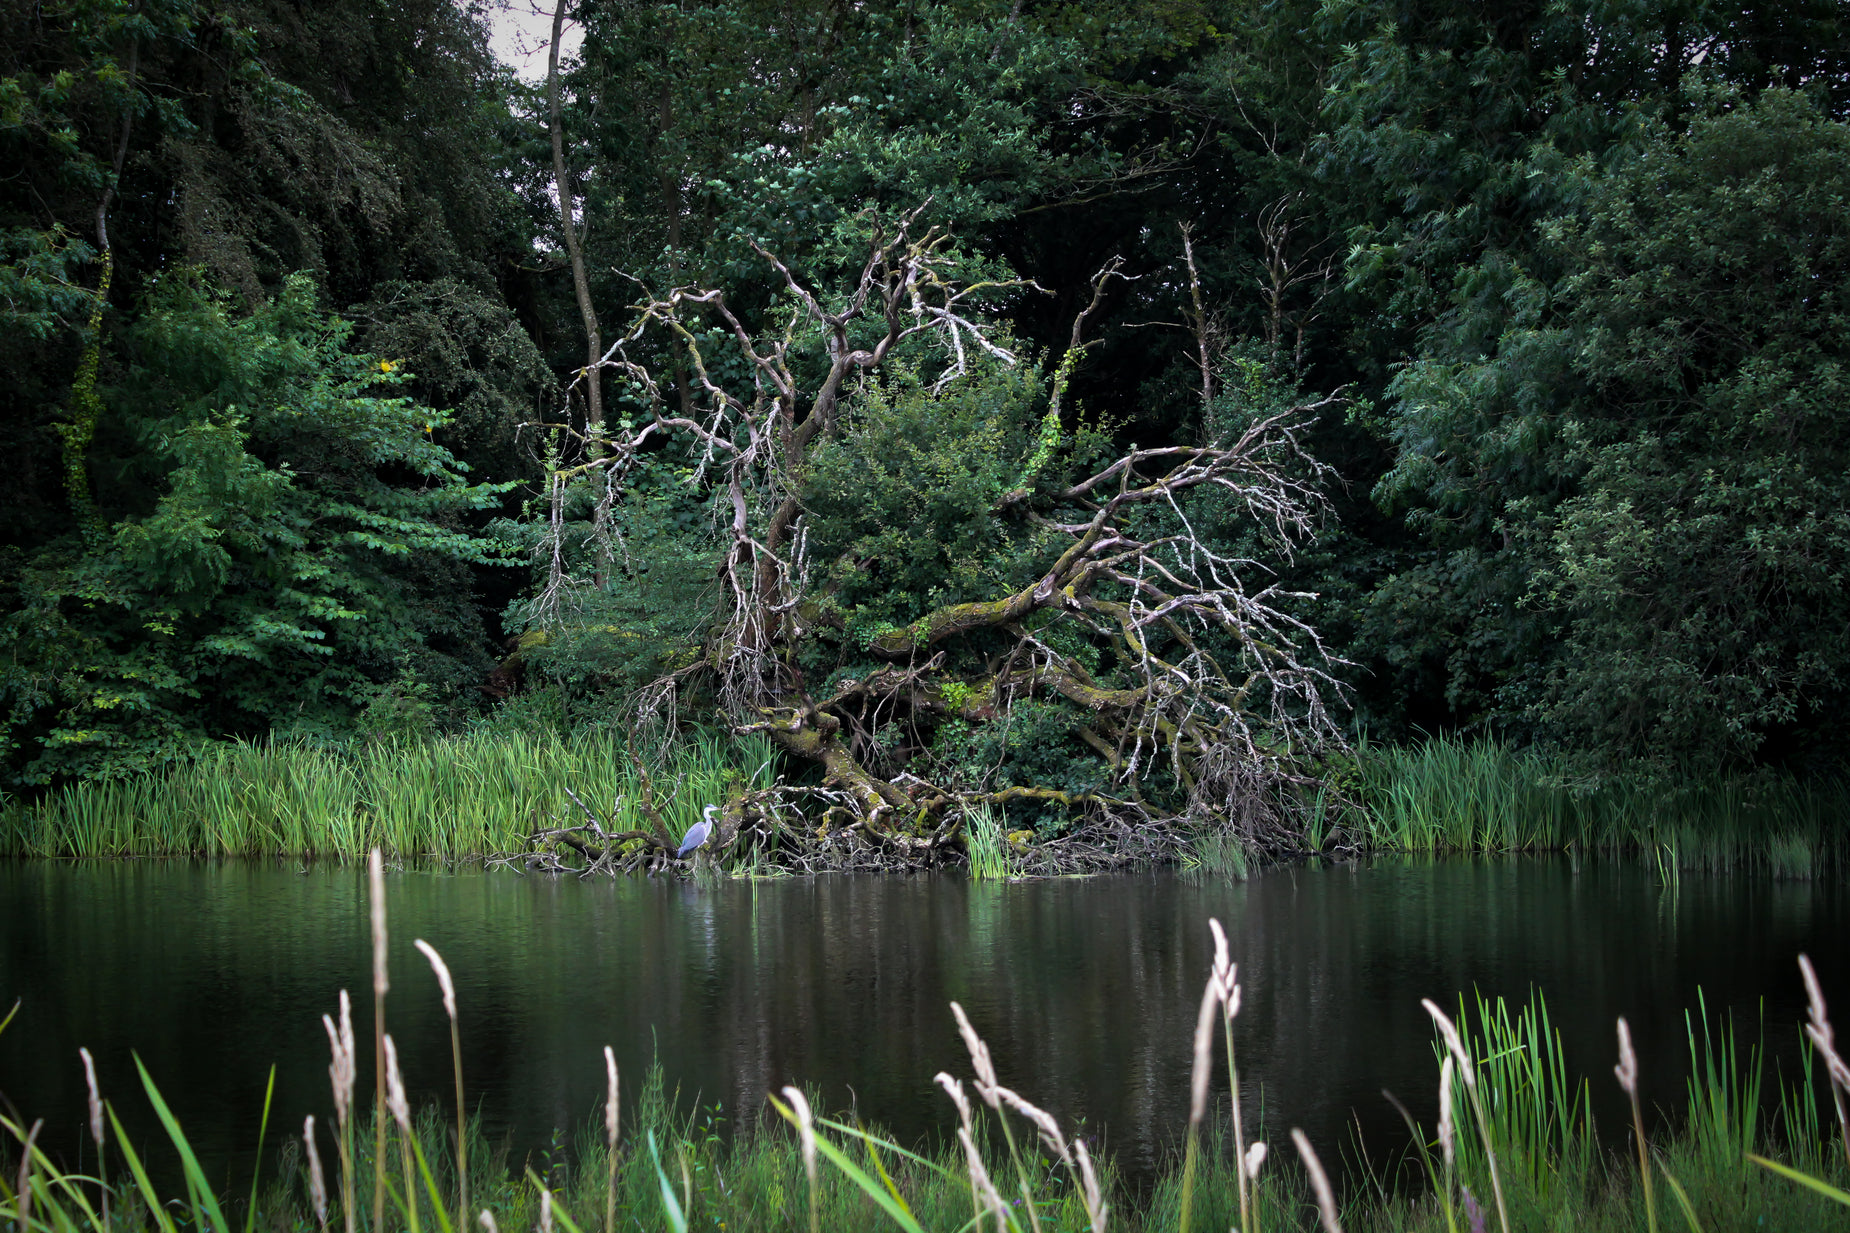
1085, 989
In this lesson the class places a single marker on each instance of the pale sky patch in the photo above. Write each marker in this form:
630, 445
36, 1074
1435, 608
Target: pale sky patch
521, 36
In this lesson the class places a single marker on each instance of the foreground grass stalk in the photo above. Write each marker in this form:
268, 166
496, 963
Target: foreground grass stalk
96, 1132
954, 1088
375, 874
1319, 1183
806, 1134
1198, 1098
612, 1120
990, 1091
1096, 1211
1227, 989
462, 1135
1818, 1030
317, 1185
1249, 1170
1448, 1139
1456, 1046
1627, 1073
342, 1075
401, 1113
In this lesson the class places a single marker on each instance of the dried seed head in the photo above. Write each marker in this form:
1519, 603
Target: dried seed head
1453, 1042
1225, 973
806, 1130
1255, 1156
1204, 1036
954, 1088
1319, 1182
395, 1088
443, 976
317, 1185
1814, 994
1833, 1064
340, 1073
1448, 1133
375, 874
611, 1107
1088, 1180
1819, 1029
1627, 1069
979, 1059
1043, 1122
96, 1099
346, 1034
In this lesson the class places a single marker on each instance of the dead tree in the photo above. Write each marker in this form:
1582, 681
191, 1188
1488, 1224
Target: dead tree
1216, 683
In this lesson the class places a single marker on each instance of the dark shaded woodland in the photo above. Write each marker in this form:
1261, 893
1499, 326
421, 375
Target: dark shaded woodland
1101, 411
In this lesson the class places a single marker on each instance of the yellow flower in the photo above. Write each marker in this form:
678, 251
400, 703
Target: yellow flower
387, 365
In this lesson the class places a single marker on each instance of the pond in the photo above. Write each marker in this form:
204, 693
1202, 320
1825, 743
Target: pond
1086, 989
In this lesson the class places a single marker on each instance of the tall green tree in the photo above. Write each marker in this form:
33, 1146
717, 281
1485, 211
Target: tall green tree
1698, 567
361, 147
278, 534
1458, 132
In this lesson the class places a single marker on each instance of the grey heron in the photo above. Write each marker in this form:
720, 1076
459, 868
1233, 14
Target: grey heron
699, 832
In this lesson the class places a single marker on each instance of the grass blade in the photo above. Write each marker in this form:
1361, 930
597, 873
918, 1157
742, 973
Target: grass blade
1682, 1198
263, 1126
901, 1216
1804, 1179
204, 1201
677, 1219
156, 1208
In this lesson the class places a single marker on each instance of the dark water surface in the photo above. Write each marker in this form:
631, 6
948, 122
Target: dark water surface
1086, 989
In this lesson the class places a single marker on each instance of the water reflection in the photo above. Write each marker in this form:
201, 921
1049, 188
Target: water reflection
1086, 989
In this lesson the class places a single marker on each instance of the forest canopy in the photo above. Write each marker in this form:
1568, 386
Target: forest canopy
1100, 411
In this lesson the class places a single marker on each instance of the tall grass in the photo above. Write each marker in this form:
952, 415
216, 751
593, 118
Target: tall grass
471, 795
991, 858
1448, 795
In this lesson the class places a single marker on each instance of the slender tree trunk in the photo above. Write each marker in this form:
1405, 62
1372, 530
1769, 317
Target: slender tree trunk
581, 284
671, 209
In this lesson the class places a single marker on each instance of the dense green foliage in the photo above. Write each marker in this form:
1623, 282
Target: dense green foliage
291, 535
294, 344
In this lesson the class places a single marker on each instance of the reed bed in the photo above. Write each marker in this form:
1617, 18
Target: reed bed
1447, 795
1515, 1149
472, 795
483, 793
